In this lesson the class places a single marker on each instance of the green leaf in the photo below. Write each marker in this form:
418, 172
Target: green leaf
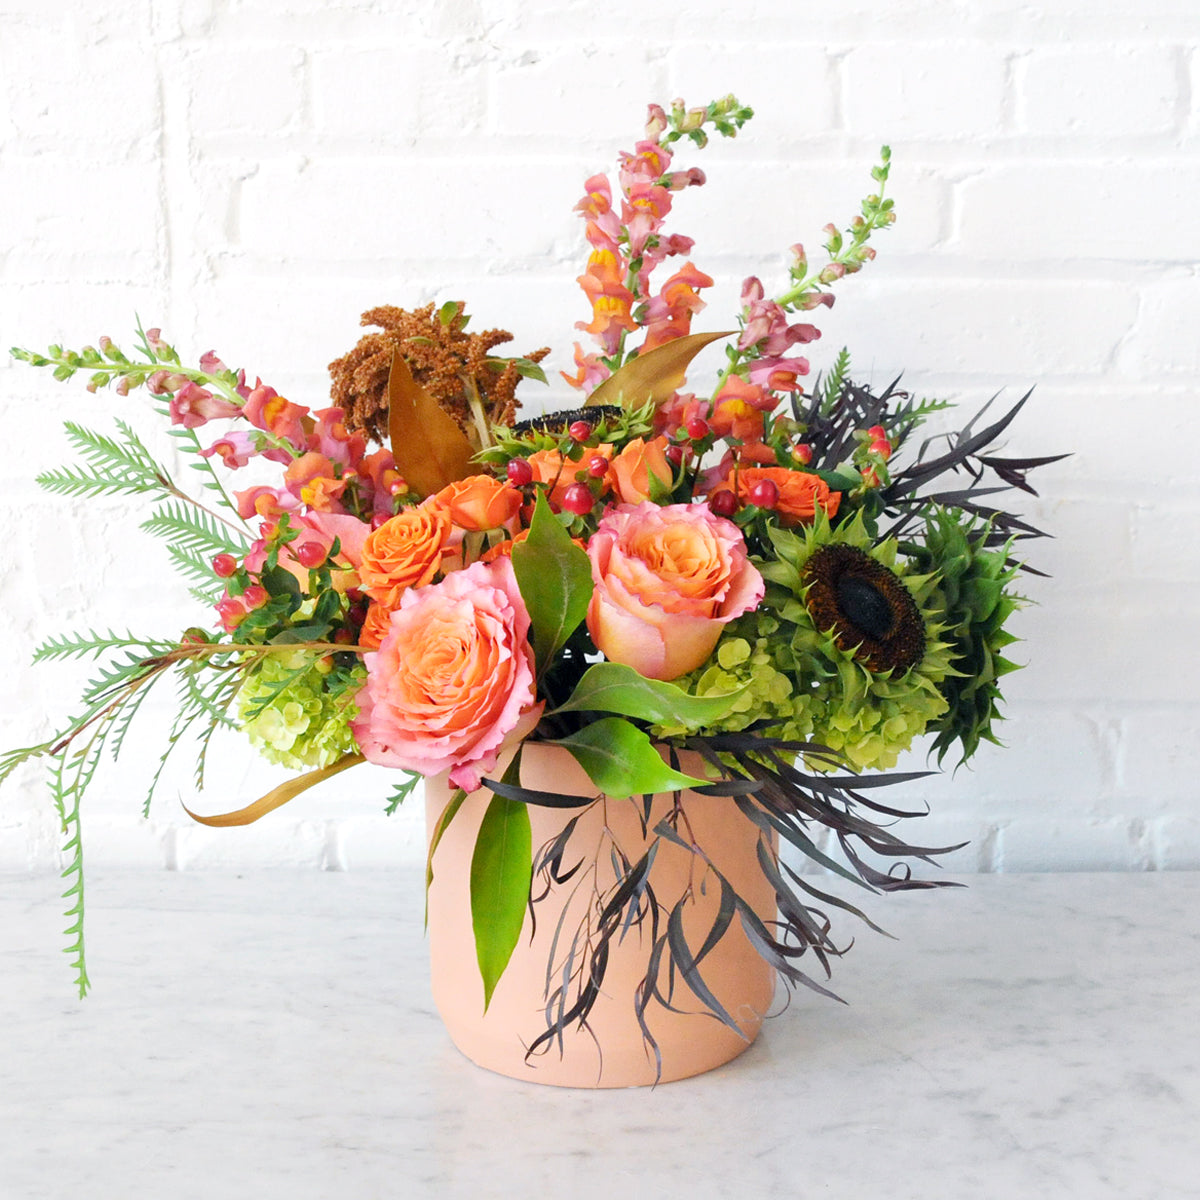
280, 582
528, 369
621, 760
555, 578
612, 687
501, 873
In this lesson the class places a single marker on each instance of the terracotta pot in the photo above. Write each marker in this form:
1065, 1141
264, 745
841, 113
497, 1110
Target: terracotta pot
614, 1053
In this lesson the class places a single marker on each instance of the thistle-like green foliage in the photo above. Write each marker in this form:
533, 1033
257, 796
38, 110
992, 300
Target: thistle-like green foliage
973, 593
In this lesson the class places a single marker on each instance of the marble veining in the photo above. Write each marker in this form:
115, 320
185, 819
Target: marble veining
271, 1034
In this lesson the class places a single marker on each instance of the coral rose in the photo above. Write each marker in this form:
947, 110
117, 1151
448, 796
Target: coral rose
667, 580
801, 493
404, 552
376, 625
452, 677
629, 473
478, 502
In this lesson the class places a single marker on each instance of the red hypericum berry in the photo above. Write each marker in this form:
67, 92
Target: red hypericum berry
519, 471
224, 565
870, 477
764, 494
802, 453
310, 554
579, 431
255, 596
882, 447
724, 504
876, 432
597, 466
697, 428
380, 518
578, 499
674, 454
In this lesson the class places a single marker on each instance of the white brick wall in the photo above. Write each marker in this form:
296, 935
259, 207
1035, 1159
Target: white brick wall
251, 174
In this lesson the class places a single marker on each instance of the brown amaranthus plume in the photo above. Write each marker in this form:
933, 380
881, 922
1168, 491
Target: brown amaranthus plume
451, 364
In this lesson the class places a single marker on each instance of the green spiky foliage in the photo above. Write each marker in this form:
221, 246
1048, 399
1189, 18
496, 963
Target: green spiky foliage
973, 593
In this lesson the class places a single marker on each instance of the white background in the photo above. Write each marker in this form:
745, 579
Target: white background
251, 176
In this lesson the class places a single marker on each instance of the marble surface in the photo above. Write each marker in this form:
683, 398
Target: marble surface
271, 1035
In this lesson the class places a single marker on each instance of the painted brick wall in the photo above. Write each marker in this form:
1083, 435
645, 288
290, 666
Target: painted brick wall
252, 174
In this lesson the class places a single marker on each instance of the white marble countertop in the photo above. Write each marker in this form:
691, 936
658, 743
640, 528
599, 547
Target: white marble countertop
271, 1035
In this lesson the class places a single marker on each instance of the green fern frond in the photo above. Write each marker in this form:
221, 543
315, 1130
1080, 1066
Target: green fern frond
10, 760
69, 781
113, 468
77, 645
401, 792
835, 381
118, 673
69, 481
195, 530
191, 565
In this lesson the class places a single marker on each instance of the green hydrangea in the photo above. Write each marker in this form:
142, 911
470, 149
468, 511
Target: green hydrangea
296, 709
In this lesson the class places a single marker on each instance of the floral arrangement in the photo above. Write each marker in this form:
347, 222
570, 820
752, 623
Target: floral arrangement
781, 576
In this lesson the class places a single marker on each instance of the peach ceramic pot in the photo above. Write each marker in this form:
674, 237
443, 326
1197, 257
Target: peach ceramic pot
613, 1053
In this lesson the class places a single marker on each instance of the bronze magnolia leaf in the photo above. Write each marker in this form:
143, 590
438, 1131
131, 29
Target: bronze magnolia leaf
654, 375
277, 796
429, 448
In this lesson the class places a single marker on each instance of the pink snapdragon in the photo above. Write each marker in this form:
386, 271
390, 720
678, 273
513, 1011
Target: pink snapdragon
330, 437
267, 410
766, 323
778, 374
193, 406
235, 448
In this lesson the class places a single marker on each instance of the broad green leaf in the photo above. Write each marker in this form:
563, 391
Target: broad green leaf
622, 761
501, 873
555, 578
654, 375
612, 687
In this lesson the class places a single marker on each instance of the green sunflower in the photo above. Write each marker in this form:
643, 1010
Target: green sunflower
864, 640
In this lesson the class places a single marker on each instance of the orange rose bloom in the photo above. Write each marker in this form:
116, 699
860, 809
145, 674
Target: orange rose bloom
478, 502
801, 493
404, 552
375, 627
630, 471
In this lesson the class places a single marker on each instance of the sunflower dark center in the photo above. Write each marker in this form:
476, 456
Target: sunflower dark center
556, 423
864, 606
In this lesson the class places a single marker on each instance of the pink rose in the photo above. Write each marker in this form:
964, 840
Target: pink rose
452, 677
667, 581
